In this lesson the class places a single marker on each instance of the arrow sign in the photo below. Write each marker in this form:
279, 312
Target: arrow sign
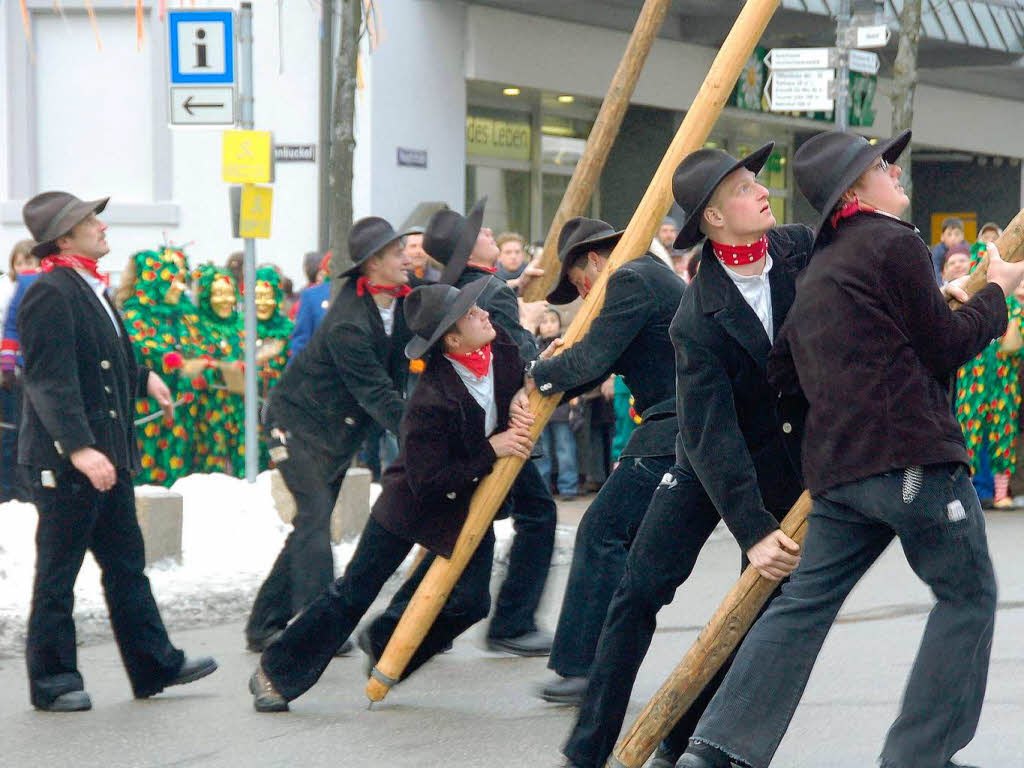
864, 62
872, 37
199, 105
799, 58
189, 105
808, 90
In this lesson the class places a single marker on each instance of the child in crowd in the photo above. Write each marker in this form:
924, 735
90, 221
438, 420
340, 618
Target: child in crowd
557, 439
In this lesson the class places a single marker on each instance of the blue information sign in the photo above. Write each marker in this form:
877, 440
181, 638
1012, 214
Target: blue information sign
202, 46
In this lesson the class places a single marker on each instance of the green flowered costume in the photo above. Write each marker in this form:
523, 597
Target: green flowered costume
219, 446
988, 396
278, 326
163, 336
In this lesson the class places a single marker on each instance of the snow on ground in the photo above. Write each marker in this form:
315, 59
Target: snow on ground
231, 534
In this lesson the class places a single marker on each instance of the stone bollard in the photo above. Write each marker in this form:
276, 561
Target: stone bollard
159, 512
350, 510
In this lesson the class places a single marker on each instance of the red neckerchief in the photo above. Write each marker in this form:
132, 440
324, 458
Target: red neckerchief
738, 255
363, 285
492, 270
74, 261
852, 208
478, 362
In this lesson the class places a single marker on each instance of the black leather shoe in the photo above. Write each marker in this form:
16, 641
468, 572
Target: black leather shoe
564, 690
346, 648
536, 643
664, 757
265, 697
366, 646
72, 701
701, 756
259, 644
194, 669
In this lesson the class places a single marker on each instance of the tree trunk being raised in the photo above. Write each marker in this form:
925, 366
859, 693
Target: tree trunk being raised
343, 140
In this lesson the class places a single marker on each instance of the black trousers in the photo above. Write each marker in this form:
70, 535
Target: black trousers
534, 517
74, 517
677, 524
305, 566
297, 659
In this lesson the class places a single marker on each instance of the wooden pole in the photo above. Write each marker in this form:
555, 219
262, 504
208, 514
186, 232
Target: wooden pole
1011, 248
436, 586
739, 608
716, 641
599, 143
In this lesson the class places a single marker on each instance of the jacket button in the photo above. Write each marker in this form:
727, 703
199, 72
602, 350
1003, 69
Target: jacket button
105, 365
349, 420
450, 495
113, 414
787, 427
476, 479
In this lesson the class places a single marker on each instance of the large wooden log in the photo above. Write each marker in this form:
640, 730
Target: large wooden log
599, 142
436, 586
1011, 248
716, 641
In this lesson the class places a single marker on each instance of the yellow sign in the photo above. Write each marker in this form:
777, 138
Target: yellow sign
491, 137
254, 212
247, 157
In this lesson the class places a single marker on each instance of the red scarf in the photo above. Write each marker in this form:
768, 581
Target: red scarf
738, 255
73, 261
363, 285
852, 208
492, 270
478, 362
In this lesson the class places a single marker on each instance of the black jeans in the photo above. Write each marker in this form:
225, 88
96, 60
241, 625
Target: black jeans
599, 556
297, 659
534, 517
305, 566
675, 528
936, 515
74, 517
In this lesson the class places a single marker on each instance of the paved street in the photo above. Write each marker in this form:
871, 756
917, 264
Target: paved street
473, 708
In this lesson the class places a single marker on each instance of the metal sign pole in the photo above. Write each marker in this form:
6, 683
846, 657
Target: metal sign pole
249, 263
842, 103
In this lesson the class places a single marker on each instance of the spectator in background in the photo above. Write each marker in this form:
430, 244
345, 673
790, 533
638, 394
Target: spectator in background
289, 299
313, 303
626, 418
557, 438
235, 265
989, 232
511, 255
424, 269
952, 233
13, 483
956, 263
668, 232
311, 267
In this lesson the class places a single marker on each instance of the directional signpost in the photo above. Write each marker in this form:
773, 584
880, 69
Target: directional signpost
800, 79
202, 77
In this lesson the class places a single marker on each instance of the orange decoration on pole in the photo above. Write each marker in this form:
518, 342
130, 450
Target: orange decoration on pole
95, 26
138, 24
26, 22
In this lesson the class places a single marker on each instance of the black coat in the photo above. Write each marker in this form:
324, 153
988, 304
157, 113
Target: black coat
350, 375
738, 437
630, 337
444, 452
500, 301
81, 378
874, 347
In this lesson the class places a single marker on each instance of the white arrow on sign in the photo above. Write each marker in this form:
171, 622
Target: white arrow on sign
864, 62
798, 58
872, 37
808, 90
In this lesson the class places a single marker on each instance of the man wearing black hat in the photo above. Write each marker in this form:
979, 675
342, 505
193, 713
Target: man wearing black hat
873, 346
346, 381
78, 440
469, 255
452, 433
737, 451
628, 337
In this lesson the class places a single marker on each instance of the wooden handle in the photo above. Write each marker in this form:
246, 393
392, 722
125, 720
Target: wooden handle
426, 603
1010, 248
599, 142
715, 642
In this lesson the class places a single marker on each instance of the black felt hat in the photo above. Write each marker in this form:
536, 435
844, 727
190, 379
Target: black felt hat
696, 180
579, 235
53, 214
367, 237
450, 237
828, 164
430, 310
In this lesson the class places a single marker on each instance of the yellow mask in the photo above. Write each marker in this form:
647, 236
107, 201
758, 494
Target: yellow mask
222, 298
265, 302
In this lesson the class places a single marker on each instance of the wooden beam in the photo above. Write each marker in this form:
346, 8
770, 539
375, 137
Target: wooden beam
1011, 248
437, 585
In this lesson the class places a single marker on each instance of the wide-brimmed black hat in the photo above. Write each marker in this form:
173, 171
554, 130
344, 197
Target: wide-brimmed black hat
53, 214
828, 164
450, 238
696, 180
430, 310
579, 235
367, 237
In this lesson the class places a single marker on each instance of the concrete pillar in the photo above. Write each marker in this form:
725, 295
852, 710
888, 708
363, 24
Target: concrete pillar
351, 509
159, 512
